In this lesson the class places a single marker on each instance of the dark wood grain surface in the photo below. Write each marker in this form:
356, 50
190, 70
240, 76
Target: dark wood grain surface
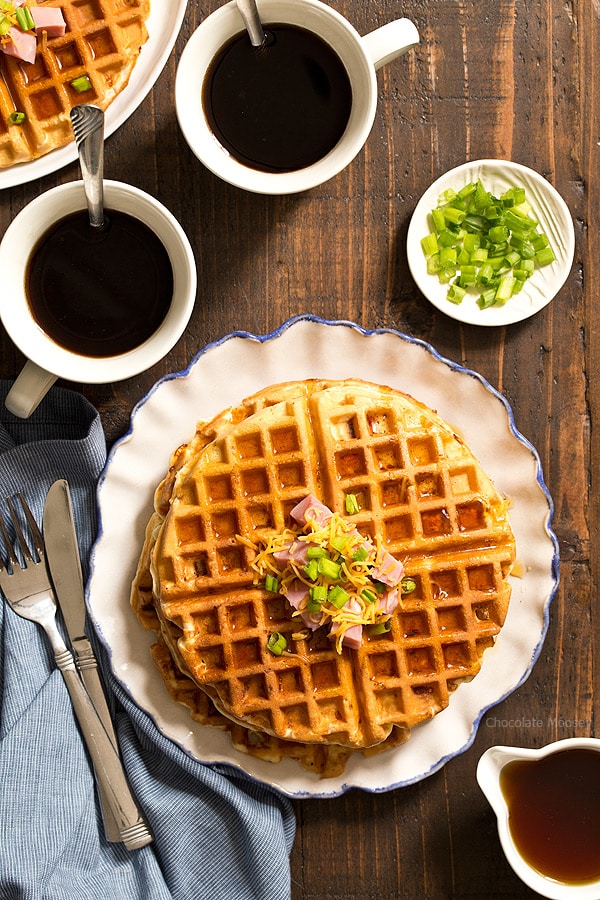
516, 79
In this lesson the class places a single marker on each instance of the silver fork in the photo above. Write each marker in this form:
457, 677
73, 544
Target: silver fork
29, 593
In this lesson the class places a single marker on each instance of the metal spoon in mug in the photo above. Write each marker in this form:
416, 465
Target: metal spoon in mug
88, 127
249, 13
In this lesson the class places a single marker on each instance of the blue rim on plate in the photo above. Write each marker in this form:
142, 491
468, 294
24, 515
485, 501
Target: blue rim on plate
307, 346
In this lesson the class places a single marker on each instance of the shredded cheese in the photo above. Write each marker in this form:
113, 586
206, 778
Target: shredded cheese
365, 599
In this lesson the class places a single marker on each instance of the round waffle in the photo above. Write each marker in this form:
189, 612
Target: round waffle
419, 489
102, 41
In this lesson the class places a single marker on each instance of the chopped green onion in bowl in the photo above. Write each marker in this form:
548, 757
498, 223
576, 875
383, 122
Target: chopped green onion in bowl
473, 248
484, 244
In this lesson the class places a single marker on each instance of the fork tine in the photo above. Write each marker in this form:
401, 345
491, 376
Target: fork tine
38, 541
24, 546
10, 553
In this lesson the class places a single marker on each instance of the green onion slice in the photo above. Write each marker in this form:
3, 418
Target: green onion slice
81, 84
272, 583
17, 118
276, 643
351, 504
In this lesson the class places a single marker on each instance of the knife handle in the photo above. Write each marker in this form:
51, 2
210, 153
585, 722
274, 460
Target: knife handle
108, 767
87, 664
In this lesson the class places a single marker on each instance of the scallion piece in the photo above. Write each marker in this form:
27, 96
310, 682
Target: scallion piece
338, 597
361, 554
81, 84
272, 583
316, 552
368, 595
328, 568
316, 596
408, 585
351, 504
276, 643
24, 18
311, 570
339, 541
379, 627
17, 118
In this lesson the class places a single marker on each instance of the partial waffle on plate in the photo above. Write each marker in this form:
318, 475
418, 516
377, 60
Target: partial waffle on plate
102, 43
418, 495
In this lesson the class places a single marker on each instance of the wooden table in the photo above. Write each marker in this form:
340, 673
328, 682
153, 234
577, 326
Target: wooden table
510, 78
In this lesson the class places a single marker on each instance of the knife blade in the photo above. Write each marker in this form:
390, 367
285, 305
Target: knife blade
62, 556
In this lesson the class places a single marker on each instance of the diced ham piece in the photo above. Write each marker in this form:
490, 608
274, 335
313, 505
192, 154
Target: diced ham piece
353, 635
389, 570
388, 602
20, 44
295, 552
296, 593
49, 19
311, 508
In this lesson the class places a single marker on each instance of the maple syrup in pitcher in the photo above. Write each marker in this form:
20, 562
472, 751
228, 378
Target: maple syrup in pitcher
280, 107
554, 813
99, 291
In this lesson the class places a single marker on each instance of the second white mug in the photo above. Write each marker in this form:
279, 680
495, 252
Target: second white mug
360, 56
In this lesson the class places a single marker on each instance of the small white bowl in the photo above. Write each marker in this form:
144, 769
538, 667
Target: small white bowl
488, 776
548, 208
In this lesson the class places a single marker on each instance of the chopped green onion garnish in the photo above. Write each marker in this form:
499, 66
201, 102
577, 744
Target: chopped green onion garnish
276, 643
338, 597
24, 18
480, 244
316, 596
272, 583
312, 570
17, 118
339, 541
379, 627
328, 568
351, 504
360, 554
369, 596
408, 585
81, 84
316, 552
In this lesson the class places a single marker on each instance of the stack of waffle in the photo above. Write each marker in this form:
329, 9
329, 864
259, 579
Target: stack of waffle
418, 490
102, 42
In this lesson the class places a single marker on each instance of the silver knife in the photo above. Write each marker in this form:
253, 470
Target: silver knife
62, 556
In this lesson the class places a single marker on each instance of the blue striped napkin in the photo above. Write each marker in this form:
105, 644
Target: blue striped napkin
218, 834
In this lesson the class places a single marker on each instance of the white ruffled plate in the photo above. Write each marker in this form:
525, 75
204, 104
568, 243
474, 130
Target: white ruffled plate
164, 23
549, 209
306, 347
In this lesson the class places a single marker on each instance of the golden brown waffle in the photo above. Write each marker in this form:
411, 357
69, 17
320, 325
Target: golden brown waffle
103, 40
419, 488
325, 760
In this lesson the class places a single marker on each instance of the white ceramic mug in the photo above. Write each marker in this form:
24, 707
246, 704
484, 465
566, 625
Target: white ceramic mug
361, 57
47, 360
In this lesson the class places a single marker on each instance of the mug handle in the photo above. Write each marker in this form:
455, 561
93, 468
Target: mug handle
29, 389
390, 41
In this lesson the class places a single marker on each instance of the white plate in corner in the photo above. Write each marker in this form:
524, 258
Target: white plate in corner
164, 24
308, 347
549, 209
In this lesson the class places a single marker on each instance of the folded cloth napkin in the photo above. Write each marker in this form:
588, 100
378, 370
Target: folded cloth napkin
218, 834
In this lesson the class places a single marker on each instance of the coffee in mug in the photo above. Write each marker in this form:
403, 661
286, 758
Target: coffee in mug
99, 291
279, 107
55, 340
